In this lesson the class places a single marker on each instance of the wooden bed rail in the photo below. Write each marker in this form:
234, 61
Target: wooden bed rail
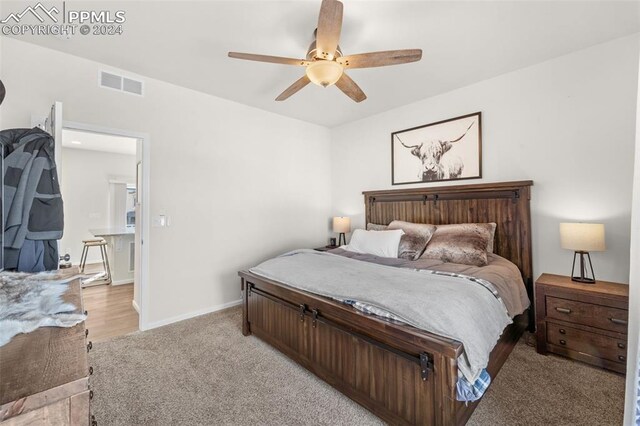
424, 359
352, 320
402, 374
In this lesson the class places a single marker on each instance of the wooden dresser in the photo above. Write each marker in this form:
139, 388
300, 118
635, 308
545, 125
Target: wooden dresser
44, 375
585, 322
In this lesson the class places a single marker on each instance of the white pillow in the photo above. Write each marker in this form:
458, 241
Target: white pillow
378, 243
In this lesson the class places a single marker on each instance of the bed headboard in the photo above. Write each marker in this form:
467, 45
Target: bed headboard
505, 203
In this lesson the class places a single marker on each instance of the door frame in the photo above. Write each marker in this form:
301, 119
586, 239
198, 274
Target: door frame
143, 308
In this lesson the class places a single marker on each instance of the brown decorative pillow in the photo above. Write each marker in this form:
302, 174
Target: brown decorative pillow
415, 238
376, 227
464, 243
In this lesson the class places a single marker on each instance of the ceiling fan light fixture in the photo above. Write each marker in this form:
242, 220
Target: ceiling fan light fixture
324, 73
324, 63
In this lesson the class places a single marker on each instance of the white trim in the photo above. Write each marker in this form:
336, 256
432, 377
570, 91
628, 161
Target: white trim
135, 306
146, 210
123, 282
74, 125
633, 335
193, 314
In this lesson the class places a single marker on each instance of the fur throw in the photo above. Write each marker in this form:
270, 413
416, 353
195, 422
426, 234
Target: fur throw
29, 301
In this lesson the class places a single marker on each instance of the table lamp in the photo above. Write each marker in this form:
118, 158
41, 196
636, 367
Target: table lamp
341, 225
582, 238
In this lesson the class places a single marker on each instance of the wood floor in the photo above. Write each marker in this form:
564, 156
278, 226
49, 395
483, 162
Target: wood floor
110, 312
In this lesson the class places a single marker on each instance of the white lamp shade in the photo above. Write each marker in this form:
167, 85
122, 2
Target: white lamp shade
341, 224
582, 236
324, 73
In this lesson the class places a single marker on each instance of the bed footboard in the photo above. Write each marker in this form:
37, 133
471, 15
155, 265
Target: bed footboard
402, 382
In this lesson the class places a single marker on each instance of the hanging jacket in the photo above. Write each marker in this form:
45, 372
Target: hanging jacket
32, 200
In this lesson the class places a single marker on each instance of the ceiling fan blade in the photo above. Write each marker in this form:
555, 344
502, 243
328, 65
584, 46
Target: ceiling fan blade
299, 84
329, 27
350, 88
267, 58
380, 59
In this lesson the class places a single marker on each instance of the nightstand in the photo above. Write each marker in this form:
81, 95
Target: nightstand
584, 322
325, 248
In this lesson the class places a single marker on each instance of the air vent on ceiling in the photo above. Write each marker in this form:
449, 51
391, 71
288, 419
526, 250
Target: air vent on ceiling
123, 84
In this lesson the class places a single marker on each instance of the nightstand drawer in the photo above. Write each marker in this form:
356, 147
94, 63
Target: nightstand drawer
594, 344
598, 316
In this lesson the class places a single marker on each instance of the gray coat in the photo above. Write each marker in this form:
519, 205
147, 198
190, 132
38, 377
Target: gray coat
32, 201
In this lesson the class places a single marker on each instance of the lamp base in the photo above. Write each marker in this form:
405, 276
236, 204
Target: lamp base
585, 262
342, 239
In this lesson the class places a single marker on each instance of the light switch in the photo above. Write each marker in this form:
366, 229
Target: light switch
159, 221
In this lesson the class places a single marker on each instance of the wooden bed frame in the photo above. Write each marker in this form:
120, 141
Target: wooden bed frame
400, 373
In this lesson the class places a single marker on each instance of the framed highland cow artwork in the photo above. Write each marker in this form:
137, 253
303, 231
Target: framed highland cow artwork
436, 152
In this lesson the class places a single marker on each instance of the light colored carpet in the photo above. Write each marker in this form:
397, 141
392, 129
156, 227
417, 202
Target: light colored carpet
203, 372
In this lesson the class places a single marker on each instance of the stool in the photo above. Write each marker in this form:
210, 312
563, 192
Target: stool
105, 277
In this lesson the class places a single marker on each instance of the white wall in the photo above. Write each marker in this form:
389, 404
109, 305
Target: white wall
85, 190
239, 184
567, 124
633, 350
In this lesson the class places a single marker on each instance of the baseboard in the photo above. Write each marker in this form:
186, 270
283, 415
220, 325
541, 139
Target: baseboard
122, 282
135, 306
193, 314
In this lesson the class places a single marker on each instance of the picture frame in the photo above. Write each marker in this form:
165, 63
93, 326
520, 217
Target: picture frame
436, 152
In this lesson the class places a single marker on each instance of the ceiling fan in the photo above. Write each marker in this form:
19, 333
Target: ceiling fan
325, 64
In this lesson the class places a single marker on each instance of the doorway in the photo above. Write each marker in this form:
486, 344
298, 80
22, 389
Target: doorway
102, 181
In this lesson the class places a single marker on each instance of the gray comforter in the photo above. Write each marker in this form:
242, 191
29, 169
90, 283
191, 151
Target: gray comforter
459, 308
504, 275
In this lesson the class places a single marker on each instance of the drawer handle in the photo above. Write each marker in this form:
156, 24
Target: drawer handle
622, 345
563, 310
562, 331
618, 321
622, 357
563, 342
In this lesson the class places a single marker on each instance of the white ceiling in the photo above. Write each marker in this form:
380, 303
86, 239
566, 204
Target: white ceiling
74, 139
186, 43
